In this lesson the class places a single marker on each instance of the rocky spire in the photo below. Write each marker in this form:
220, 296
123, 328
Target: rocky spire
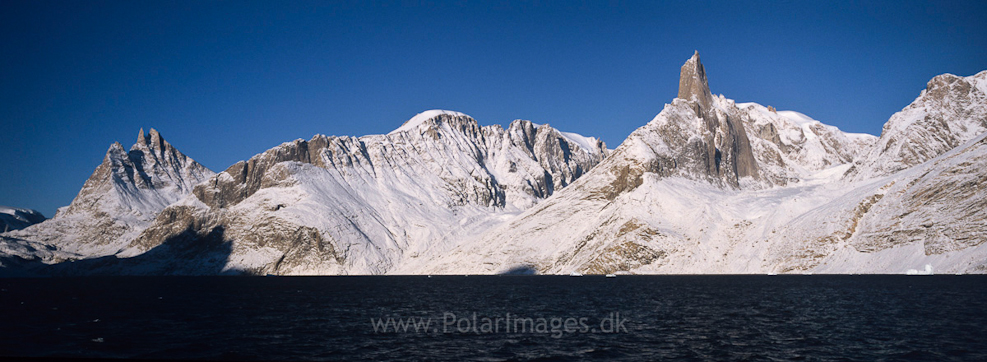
693, 85
158, 142
151, 143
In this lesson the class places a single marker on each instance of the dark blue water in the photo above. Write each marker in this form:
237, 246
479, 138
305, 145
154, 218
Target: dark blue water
866, 318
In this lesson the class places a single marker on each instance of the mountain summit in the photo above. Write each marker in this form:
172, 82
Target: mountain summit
693, 85
121, 197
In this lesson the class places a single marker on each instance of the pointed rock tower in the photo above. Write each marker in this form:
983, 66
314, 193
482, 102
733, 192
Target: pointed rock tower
693, 85
727, 152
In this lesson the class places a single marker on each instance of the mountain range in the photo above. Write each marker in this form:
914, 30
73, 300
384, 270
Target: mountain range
707, 186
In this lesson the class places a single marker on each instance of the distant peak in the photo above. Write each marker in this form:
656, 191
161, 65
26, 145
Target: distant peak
693, 85
425, 116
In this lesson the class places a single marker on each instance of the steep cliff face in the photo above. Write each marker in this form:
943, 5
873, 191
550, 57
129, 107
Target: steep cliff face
341, 205
125, 192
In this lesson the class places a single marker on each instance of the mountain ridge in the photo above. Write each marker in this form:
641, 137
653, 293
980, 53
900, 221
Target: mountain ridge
707, 186
12, 218
125, 192
800, 217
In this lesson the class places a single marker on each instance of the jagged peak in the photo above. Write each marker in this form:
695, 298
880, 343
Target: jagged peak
943, 83
150, 140
693, 85
425, 116
116, 147
115, 153
588, 144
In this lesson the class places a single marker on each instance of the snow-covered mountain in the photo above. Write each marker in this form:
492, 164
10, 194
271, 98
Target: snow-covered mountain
684, 195
345, 205
12, 218
707, 186
948, 113
121, 198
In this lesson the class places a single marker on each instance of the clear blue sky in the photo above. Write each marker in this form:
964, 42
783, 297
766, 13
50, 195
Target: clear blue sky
223, 81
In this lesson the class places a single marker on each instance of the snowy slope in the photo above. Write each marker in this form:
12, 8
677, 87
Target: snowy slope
423, 117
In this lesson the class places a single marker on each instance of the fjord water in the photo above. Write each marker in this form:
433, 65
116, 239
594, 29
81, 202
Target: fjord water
823, 317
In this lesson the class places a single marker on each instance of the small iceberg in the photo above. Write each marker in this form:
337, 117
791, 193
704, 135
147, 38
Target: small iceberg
575, 274
611, 275
927, 271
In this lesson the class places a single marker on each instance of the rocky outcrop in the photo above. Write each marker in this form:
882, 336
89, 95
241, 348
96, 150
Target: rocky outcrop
244, 178
532, 161
943, 207
790, 146
142, 181
724, 148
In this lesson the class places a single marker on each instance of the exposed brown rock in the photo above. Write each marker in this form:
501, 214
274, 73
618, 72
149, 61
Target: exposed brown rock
693, 85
